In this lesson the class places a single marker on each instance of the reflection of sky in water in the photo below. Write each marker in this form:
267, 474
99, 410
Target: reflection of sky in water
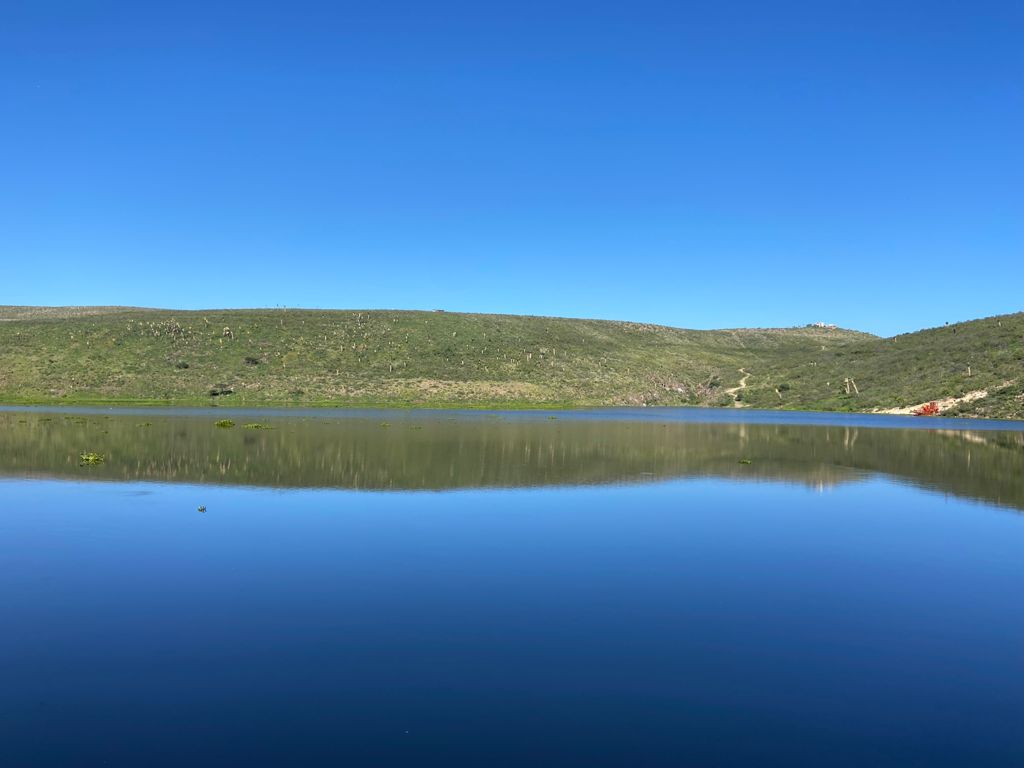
695, 621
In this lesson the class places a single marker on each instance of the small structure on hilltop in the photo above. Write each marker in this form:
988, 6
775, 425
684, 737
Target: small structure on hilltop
826, 326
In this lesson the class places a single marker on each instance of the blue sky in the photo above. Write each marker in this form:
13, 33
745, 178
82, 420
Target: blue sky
693, 164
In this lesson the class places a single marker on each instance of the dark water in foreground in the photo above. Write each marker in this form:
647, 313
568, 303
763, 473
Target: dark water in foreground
473, 589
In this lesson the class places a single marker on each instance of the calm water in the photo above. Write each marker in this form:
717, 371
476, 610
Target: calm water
630, 588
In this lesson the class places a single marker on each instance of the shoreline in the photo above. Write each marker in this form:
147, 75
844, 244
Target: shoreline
677, 414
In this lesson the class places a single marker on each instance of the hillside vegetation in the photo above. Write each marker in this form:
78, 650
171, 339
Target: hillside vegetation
982, 359
400, 358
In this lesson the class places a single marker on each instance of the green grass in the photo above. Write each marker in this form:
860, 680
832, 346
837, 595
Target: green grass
90, 458
431, 359
905, 370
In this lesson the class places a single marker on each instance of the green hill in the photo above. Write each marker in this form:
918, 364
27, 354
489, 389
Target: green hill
981, 359
400, 358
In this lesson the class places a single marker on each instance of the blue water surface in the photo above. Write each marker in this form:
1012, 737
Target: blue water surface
709, 622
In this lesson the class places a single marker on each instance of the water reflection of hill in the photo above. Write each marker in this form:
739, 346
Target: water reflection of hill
440, 453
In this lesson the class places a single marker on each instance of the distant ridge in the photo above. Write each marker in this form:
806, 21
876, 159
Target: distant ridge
258, 357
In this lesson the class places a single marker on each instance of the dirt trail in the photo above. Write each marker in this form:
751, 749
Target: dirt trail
735, 390
943, 403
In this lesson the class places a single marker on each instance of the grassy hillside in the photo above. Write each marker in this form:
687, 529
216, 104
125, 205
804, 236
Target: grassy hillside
263, 357
980, 356
251, 357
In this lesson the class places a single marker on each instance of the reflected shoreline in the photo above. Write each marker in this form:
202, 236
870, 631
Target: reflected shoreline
439, 451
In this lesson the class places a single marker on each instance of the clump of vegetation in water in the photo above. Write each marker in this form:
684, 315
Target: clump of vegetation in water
224, 423
745, 461
90, 459
145, 424
256, 425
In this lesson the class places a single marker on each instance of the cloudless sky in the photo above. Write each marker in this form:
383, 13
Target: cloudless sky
702, 165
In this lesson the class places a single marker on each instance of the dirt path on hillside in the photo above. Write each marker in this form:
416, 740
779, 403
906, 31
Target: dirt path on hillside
734, 391
943, 403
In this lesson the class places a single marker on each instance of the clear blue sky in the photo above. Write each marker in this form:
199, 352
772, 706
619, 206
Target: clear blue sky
695, 164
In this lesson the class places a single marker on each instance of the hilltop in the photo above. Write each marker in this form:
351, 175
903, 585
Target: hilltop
411, 358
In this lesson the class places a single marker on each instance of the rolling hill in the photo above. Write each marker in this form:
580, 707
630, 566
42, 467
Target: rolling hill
974, 368
408, 358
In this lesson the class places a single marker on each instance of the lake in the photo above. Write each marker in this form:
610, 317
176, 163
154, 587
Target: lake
623, 587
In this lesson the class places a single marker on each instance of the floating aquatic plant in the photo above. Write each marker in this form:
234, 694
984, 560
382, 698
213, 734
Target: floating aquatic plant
224, 423
256, 425
90, 459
